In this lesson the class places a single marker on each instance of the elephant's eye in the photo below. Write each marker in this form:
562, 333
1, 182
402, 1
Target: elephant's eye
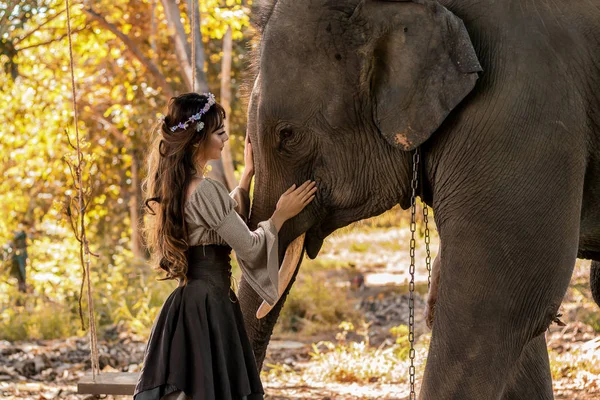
285, 134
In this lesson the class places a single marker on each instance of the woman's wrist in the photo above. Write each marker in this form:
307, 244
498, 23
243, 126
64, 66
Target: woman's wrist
245, 181
278, 220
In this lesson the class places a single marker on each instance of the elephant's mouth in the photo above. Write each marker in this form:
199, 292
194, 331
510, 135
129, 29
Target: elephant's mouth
313, 243
325, 222
329, 223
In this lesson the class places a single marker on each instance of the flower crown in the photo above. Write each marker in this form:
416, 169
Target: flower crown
196, 117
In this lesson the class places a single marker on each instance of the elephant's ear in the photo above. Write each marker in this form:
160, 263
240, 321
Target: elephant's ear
261, 12
423, 66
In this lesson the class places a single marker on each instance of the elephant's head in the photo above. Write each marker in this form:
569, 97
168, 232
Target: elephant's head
344, 88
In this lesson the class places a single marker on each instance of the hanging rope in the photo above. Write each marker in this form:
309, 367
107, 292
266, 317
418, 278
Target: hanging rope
84, 251
193, 27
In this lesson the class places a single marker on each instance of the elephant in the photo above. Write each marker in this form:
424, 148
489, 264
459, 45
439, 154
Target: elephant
501, 99
433, 292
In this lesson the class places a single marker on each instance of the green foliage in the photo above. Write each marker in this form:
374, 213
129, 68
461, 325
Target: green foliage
359, 247
118, 99
38, 318
218, 17
125, 292
314, 305
356, 362
359, 362
136, 311
402, 348
593, 319
580, 292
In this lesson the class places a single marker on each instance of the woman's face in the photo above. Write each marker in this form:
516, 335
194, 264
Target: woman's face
214, 144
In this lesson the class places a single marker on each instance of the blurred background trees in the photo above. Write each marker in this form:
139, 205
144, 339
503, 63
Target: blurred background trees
130, 58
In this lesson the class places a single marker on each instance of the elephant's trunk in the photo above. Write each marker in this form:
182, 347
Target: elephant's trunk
290, 257
260, 330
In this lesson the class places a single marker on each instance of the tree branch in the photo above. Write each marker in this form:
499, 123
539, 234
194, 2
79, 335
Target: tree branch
52, 18
111, 127
135, 50
61, 37
7, 13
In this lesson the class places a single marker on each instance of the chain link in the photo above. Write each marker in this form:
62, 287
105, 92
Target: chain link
411, 286
427, 241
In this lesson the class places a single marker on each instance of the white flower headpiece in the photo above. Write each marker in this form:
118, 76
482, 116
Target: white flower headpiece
196, 117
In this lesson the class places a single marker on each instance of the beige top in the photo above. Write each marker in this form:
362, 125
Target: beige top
212, 217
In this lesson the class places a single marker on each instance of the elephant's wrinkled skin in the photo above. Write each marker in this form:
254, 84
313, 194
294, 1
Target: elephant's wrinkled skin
512, 170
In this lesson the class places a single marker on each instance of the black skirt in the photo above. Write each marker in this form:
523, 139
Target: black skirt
198, 344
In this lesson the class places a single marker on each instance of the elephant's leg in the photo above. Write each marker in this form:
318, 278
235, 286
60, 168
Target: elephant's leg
504, 271
433, 292
492, 302
530, 377
508, 214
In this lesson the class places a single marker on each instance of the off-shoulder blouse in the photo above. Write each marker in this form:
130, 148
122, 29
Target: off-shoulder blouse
214, 216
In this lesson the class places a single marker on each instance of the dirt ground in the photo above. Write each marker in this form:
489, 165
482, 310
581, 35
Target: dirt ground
51, 369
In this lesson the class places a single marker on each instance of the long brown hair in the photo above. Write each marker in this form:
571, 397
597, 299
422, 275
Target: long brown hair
170, 169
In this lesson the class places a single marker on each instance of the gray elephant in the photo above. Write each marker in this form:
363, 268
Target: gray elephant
503, 99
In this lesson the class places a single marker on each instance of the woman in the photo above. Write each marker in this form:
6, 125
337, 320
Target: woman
198, 347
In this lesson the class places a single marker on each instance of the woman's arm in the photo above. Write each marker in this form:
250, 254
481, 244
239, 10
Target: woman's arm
248, 173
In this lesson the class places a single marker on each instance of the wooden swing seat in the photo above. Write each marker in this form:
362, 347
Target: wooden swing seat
114, 383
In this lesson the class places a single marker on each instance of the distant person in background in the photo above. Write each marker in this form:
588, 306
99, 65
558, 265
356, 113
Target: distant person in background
198, 347
15, 255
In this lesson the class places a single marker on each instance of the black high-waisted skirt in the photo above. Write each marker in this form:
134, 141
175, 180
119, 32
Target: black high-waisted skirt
198, 344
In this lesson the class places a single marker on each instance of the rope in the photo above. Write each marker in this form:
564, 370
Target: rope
193, 45
84, 248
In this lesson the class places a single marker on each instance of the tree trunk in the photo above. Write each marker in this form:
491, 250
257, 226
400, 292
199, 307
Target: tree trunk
201, 85
134, 208
226, 103
153, 32
182, 49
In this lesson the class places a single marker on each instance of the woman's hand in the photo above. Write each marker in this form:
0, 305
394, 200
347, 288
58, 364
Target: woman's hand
248, 166
293, 201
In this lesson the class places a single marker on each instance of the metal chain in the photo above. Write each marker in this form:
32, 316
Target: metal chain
427, 241
411, 286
